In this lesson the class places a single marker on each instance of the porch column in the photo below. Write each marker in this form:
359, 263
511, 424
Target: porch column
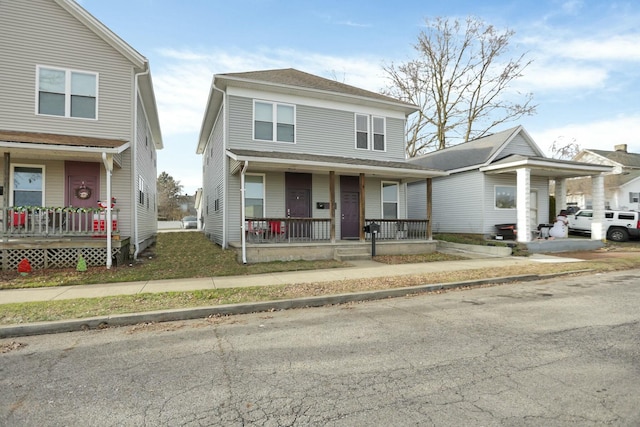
429, 209
597, 224
561, 195
6, 185
523, 204
362, 199
332, 205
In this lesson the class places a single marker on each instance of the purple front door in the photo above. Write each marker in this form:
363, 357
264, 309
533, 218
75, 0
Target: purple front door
298, 204
349, 207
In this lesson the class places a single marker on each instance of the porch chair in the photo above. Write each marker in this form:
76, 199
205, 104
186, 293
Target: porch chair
255, 231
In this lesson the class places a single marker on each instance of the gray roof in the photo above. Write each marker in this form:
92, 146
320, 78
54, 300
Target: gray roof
631, 160
476, 152
300, 79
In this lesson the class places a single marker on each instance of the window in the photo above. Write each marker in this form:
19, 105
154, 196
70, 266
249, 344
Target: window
273, 119
141, 186
389, 200
505, 197
634, 197
363, 135
362, 131
28, 185
378, 133
67, 93
254, 196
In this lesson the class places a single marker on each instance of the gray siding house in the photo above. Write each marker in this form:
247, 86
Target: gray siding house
502, 178
295, 166
79, 132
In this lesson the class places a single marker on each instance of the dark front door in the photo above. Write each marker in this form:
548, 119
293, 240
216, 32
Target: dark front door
298, 204
82, 190
349, 207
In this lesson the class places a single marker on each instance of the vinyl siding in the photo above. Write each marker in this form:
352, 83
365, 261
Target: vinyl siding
318, 130
146, 166
518, 145
42, 33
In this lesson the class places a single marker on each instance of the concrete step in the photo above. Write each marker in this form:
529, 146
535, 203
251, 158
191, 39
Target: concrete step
352, 254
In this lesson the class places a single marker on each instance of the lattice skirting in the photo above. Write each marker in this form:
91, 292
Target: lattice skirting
61, 257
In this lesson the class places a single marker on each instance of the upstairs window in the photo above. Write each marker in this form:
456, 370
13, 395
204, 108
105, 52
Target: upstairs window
362, 131
369, 128
378, 133
67, 93
273, 122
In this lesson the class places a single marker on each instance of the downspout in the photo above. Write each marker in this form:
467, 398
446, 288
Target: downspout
243, 235
134, 163
108, 166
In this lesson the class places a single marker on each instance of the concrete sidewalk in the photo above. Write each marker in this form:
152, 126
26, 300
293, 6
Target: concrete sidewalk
360, 270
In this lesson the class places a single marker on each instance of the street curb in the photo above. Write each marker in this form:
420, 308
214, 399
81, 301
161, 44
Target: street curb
101, 322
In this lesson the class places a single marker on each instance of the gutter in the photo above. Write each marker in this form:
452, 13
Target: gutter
134, 159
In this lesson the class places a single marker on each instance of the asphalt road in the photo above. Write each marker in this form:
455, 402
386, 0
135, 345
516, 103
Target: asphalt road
554, 353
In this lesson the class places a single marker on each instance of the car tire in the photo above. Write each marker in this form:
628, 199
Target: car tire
617, 235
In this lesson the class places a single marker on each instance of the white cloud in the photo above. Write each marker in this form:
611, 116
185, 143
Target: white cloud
601, 135
553, 76
624, 48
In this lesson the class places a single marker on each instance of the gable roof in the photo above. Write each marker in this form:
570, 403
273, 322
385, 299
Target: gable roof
140, 63
290, 77
291, 81
619, 158
475, 153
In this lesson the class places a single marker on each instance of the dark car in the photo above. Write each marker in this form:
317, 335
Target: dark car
189, 222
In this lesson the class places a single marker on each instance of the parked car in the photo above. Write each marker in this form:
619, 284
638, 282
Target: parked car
619, 226
189, 222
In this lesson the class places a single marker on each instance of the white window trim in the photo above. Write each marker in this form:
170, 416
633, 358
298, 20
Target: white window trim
26, 165
495, 194
67, 94
264, 191
370, 132
384, 133
382, 201
141, 190
274, 115
355, 131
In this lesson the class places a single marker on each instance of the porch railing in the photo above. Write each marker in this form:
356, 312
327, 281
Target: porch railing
35, 221
293, 230
287, 230
399, 229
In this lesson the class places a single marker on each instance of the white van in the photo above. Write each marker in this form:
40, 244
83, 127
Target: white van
619, 226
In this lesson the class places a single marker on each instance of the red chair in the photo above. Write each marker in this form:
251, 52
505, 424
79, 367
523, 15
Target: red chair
19, 219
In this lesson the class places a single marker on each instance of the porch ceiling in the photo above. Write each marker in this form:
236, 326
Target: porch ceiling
36, 145
297, 162
540, 166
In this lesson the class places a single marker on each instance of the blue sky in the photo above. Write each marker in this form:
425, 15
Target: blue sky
585, 76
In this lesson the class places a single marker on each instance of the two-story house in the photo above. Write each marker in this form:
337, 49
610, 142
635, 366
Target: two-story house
79, 131
295, 166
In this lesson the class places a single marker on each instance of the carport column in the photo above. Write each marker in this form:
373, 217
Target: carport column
561, 195
597, 221
523, 204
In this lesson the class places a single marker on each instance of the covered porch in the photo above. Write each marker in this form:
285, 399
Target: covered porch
55, 190
522, 168
326, 200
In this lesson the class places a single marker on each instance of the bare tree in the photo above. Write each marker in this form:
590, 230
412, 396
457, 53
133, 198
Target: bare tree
460, 83
560, 149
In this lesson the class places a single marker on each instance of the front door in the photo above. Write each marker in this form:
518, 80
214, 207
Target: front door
350, 207
82, 190
298, 204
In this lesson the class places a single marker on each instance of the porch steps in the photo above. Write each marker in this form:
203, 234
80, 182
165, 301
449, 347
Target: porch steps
352, 253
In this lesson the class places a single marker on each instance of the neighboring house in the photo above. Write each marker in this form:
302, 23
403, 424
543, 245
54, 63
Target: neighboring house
622, 186
295, 166
501, 178
78, 125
